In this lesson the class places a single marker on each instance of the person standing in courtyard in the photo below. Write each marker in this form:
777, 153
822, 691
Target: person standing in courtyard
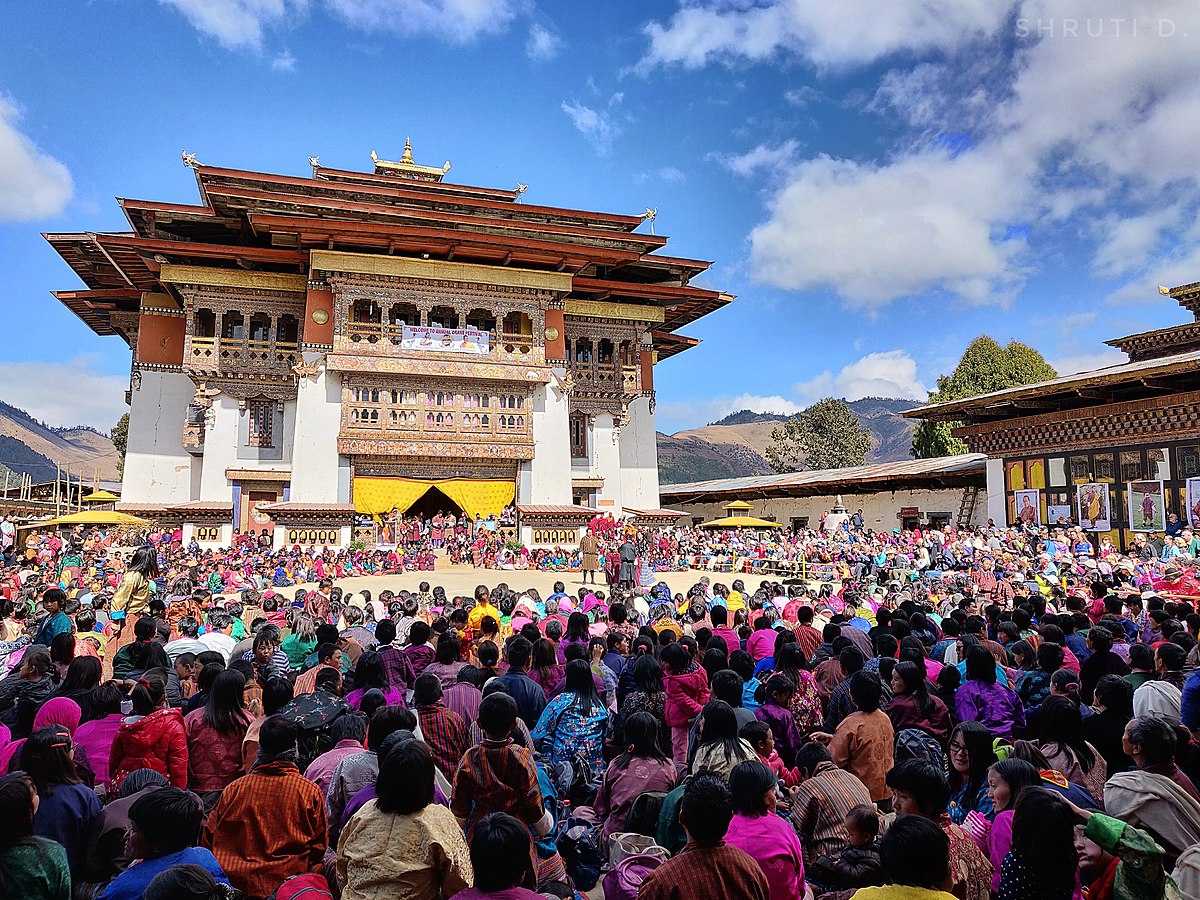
589, 546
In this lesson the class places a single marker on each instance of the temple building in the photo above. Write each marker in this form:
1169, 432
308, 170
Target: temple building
309, 348
1116, 450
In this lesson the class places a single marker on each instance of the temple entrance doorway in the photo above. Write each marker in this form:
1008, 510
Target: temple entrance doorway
432, 502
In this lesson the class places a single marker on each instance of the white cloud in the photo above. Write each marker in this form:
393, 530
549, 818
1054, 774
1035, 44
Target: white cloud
763, 157
284, 62
542, 44
668, 174
33, 184
803, 96
595, 125
243, 24
1103, 116
66, 393
874, 233
846, 33
1086, 362
889, 373
238, 24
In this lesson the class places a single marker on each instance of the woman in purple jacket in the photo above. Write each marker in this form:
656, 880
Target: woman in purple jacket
981, 699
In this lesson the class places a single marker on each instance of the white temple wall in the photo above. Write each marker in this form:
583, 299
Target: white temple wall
316, 467
220, 449
639, 458
546, 479
606, 462
997, 503
157, 468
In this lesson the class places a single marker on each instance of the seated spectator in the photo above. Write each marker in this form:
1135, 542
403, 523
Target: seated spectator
856, 866
189, 882
914, 853
165, 830
443, 729
642, 767
153, 736
769, 839
357, 770
108, 849
502, 860
66, 808
348, 733
94, 738
720, 748
821, 801
707, 868
496, 775
31, 867
270, 823
215, 736
402, 843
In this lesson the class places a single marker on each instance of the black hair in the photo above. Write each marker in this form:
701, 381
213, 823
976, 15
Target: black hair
497, 715
277, 735
811, 755
647, 674
186, 882
368, 673
579, 681
501, 854
866, 690
277, 693
1155, 737
405, 783
1141, 656
981, 665
225, 711
1044, 840
915, 852
387, 720
168, 820
385, 632
924, 782
1018, 774
720, 725
640, 732
706, 809
1115, 694
749, 783
727, 685
350, 726
1060, 723
980, 754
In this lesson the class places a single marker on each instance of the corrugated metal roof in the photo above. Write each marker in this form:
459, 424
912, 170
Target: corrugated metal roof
963, 464
1131, 371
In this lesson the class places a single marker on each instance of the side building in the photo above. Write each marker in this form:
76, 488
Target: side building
305, 348
905, 494
1116, 450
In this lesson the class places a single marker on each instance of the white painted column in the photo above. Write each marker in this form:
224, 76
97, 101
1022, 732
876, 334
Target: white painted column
220, 449
997, 503
546, 479
316, 476
606, 462
157, 468
639, 458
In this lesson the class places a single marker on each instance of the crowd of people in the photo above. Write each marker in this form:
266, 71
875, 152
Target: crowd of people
998, 713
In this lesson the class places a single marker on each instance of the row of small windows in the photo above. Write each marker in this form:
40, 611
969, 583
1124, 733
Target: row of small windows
368, 311
409, 418
436, 398
234, 326
584, 351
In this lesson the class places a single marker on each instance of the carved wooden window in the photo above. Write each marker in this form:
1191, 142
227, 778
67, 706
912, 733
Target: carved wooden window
261, 432
604, 352
287, 329
404, 314
260, 327
206, 324
365, 311
1133, 466
481, 319
443, 317
579, 429
1189, 461
233, 326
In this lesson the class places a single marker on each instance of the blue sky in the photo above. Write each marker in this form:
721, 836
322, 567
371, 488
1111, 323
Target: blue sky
878, 183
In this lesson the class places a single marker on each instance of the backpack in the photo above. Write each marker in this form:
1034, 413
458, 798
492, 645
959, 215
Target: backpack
913, 743
624, 882
581, 852
643, 814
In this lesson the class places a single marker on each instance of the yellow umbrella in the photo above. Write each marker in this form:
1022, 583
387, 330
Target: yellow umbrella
740, 522
91, 517
101, 496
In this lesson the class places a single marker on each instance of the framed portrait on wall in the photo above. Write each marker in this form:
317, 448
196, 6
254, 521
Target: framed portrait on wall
1092, 502
1028, 507
1193, 502
1147, 506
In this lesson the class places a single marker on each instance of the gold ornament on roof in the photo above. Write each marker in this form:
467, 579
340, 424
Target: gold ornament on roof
407, 167
189, 159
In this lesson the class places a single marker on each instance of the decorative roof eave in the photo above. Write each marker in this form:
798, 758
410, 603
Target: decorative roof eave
290, 513
416, 191
563, 515
667, 344
1159, 342
95, 307
418, 238
241, 198
198, 250
1078, 385
348, 176
655, 516
405, 267
827, 481
204, 275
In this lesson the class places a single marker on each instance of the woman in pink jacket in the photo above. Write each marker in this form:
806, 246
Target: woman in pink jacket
686, 686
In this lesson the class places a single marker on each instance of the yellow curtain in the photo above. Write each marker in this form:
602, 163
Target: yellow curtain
376, 496
485, 497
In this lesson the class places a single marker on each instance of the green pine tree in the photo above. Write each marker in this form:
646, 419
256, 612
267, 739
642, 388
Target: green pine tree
827, 435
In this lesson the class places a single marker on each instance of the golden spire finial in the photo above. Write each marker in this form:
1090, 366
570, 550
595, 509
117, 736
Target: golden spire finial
406, 156
406, 167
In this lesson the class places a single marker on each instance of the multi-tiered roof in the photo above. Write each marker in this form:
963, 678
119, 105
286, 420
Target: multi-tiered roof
263, 222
